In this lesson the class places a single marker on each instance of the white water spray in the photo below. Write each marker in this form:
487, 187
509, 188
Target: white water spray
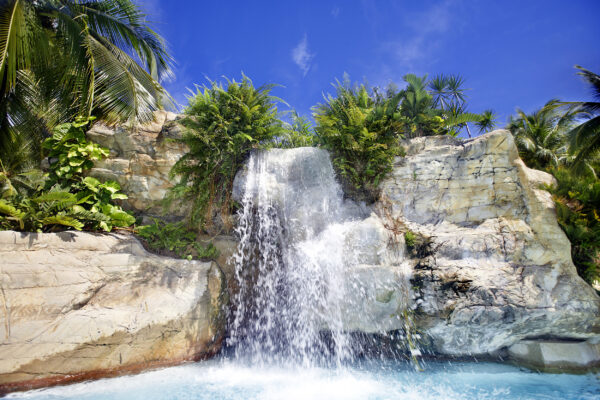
302, 264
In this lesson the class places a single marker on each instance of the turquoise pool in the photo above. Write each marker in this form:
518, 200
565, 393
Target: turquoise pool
222, 379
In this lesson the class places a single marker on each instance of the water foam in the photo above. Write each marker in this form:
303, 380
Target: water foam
302, 258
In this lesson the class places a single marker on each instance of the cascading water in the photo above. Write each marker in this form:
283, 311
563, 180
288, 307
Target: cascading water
300, 260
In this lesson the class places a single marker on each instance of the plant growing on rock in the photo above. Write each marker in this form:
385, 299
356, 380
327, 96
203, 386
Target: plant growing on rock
223, 124
175, 238
409, 239
362, 131
296, 133
64, 197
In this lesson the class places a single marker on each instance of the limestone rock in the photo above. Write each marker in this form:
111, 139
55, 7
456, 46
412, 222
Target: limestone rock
80, 305
140, 160
556, 356
498, 268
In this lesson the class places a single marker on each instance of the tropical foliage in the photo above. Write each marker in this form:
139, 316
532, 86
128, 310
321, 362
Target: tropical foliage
175, 239
298, 132
64, 197
362, 127
223, 125
420, 118
541, 135
450, 100
577, 201
362, 131
63, 59
584, 139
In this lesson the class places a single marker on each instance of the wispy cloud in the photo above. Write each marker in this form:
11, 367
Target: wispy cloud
335, 12
302, 56
427, 29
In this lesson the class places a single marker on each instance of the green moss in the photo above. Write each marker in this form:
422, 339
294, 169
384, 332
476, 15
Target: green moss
410, 239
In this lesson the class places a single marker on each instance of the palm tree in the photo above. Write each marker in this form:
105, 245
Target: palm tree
417, 107
487, 122
438, 87
541, 136
61, 59
449, 96
584, 139
435, 106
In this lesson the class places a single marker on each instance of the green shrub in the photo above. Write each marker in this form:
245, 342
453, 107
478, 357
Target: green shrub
410, 239
63, 198
70, 153
298, 133
577, 200
222, 126
361, 130
175, 239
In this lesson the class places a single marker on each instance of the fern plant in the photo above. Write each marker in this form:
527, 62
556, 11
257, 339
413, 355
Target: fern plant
362, 132
175, 238
223, 124
299, 132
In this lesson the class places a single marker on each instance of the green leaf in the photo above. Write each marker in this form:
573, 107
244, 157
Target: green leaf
76, 161
63, 220
119, 196
111, 186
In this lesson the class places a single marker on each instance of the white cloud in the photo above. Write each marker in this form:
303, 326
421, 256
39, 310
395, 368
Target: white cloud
335, 12
428, 28
302, 56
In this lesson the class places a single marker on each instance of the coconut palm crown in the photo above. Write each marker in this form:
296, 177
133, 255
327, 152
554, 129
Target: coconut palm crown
62, 59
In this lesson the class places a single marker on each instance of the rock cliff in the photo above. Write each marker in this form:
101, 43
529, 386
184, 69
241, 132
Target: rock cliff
494, 267
140, 160
79, 305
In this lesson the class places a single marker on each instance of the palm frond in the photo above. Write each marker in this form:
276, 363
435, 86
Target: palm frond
460, 119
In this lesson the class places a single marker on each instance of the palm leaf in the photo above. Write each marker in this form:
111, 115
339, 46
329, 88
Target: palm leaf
460, 119
64, 220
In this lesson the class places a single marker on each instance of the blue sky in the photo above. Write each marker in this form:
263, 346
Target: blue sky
511, 53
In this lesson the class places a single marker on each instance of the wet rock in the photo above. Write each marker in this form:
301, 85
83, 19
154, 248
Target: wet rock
556, 356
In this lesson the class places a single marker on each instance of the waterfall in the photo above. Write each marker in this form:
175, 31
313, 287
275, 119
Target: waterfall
301, 262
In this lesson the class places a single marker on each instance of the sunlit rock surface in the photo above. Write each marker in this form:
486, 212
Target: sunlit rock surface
80, 305
140, 160
498, 266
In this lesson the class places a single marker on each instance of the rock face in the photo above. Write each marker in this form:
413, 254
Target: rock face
494, 267
79, 305
555, 355
140, 160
